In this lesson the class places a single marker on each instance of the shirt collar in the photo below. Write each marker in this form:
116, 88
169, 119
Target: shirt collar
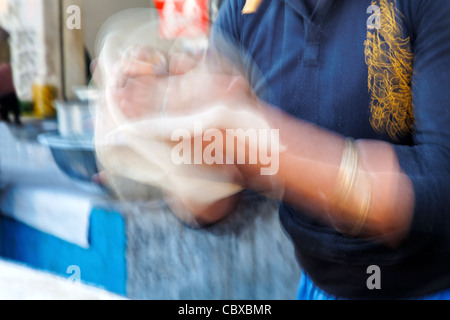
300, 7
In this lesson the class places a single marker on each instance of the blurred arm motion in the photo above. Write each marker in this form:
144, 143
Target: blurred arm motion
357, 187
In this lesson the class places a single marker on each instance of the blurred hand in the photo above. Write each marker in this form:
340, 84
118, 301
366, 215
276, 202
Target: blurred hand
146, 81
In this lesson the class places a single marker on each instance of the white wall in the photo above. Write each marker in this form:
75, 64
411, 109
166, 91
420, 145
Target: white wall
96, 12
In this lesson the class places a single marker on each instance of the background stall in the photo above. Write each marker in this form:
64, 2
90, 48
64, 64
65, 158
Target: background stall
134, 247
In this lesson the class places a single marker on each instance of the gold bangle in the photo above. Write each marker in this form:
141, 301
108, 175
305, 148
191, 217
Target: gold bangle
351, 178
348, 171
366, 203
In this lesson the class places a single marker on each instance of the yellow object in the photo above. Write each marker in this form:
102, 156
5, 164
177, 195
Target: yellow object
251, 6
389, 59
353, 185
43, 99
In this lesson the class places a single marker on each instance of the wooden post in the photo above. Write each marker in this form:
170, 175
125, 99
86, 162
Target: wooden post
74, 58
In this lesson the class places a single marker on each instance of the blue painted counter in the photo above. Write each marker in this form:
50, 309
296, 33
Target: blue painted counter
102, 264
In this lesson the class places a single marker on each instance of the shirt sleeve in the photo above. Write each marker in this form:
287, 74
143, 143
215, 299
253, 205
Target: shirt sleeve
427, 162
225, 34
227, 22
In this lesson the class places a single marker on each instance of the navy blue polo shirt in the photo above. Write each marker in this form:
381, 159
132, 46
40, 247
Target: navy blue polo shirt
368, 70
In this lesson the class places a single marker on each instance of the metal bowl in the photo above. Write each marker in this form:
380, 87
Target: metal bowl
31, 128
75, 156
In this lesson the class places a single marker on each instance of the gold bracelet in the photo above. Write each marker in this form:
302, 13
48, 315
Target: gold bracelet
366, 203
351, 178
348, 171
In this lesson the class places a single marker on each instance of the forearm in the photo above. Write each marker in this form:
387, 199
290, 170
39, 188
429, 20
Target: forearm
308, 179
309, 170
198, 214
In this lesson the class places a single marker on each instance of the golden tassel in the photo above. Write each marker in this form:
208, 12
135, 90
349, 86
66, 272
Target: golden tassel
389, 60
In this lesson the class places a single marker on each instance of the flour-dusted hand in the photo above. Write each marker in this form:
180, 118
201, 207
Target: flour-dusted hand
147, 83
